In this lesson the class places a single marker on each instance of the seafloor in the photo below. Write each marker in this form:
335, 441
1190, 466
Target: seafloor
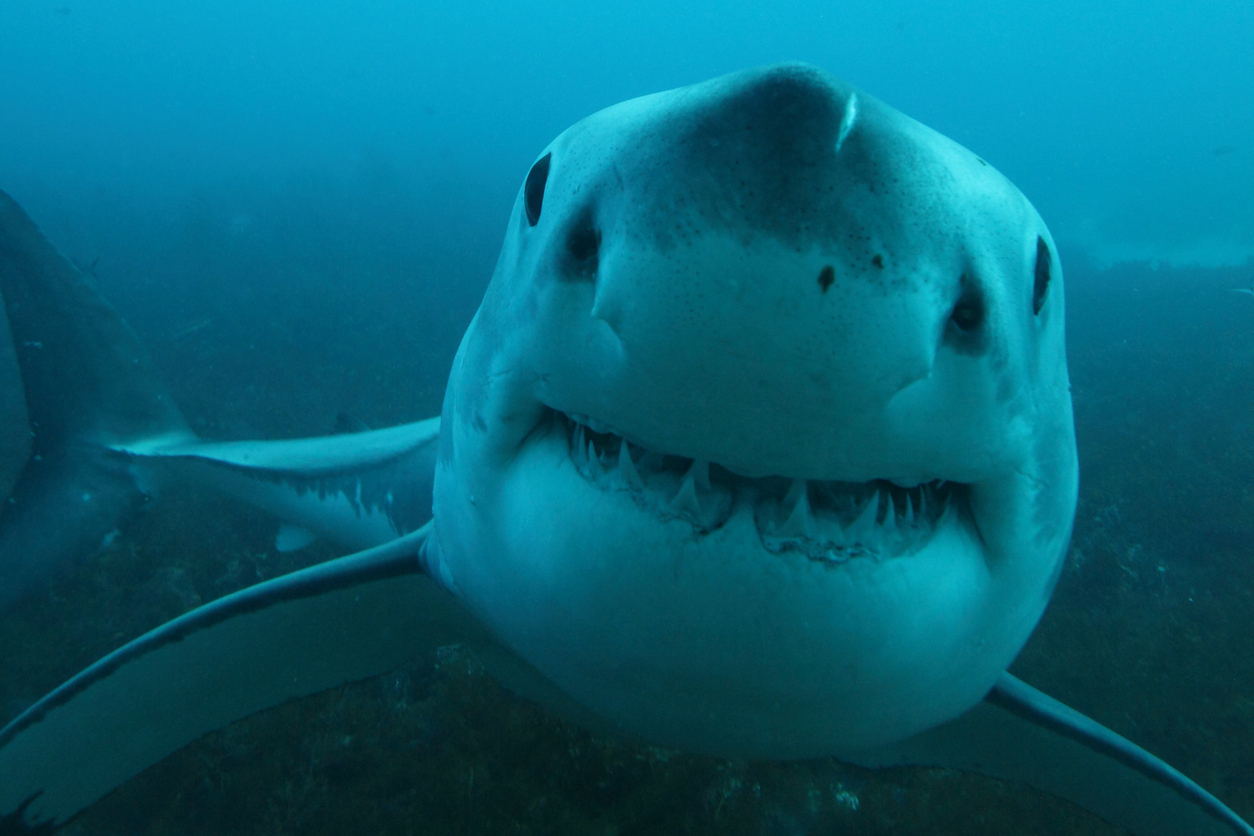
1149, 632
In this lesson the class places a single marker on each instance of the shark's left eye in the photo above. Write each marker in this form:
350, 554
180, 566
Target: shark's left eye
533, 191
968, 313
1041, 284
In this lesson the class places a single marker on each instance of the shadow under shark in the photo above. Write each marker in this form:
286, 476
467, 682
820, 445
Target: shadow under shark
760, 444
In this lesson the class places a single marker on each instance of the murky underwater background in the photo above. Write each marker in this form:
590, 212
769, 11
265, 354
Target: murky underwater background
1149, 631
297, 207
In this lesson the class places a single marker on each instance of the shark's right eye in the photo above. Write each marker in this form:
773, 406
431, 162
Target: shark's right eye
1041, 278
533, 191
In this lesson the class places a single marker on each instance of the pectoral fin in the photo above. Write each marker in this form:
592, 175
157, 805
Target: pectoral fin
337, 622
1020, 734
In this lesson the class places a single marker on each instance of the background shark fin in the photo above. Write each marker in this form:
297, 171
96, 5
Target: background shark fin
1020, 734
337, 622
85, 373
84, 382
357, 490
15, 435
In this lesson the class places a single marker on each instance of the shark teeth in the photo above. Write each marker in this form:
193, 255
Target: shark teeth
627, 468
685, 501
826, 521
798, 523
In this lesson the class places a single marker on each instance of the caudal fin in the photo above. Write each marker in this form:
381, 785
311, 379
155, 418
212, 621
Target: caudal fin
73, 381
84, 373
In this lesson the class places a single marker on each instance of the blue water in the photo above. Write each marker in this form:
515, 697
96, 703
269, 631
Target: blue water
297, 208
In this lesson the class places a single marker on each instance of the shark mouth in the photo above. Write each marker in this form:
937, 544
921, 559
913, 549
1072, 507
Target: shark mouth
827, 521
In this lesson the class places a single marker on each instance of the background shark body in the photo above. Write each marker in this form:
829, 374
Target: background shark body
85, 383
100, 431
14, 424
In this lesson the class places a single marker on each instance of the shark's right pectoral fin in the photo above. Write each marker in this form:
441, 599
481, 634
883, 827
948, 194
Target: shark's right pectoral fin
336, 622
1020, 734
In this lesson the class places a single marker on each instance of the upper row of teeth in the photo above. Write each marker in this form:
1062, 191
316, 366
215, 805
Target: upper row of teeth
687, 501
708, 507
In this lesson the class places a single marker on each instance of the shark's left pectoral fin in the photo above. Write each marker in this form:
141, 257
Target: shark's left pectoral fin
1020, 734
299, 634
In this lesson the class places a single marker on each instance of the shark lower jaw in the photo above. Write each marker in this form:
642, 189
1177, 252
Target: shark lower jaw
827, 521
691, 606
694, 607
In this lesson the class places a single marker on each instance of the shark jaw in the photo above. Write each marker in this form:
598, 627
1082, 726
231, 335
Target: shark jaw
750, 616
828, 521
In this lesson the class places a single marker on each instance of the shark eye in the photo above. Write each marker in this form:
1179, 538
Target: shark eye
968, 314
1041, 284
533, 191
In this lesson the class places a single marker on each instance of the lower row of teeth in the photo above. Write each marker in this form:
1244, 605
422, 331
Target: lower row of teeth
871, 523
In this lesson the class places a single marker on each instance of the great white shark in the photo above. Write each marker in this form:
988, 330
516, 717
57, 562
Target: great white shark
760, 444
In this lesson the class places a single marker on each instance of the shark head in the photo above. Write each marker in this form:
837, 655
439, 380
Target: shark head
761, 441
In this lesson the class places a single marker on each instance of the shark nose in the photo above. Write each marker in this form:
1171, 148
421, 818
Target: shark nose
789, 114
769, 153
782, 123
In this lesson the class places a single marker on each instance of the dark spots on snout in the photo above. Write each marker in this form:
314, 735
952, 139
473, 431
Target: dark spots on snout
967, 329
826, 276
878, 261
583, 248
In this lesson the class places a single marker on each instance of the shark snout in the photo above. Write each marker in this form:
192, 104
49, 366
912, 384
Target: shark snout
773, 287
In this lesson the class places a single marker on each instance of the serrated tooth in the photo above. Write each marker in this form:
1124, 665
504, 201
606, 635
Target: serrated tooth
592, 454
909, 516
796, 490
890, 516
798, 523
699, 470
579, 439
686, 500
864, 525
627, 468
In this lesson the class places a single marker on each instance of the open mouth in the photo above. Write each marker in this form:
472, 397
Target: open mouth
828, 521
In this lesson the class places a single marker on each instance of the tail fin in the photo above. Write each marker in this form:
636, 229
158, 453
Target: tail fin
85, 383
84, 372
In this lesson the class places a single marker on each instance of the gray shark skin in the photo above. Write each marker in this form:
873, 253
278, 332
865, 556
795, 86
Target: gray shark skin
760, 444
